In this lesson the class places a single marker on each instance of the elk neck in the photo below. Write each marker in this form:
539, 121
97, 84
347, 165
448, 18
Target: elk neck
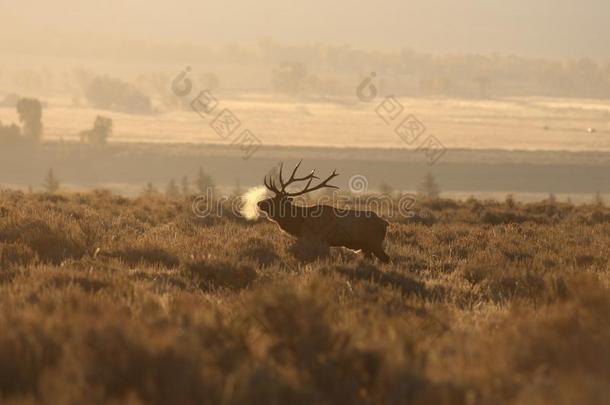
291, 219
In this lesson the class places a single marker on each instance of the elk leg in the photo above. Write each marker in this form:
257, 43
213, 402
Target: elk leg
381, 255
367, 254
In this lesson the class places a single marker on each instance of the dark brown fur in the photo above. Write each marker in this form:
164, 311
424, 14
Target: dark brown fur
352, 229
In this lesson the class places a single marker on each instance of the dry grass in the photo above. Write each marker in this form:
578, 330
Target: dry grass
504, 123
104, 299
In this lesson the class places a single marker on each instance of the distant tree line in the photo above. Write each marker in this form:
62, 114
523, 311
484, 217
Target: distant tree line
114, 94
323, 69
29, 111
296, 68
203, 185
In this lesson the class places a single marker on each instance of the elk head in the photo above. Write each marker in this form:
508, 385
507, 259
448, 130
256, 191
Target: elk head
280, 204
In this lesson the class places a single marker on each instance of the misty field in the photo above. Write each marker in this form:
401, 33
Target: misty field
525, 123
108, 299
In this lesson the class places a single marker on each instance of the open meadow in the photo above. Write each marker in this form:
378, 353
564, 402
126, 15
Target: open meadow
105, 299
510, 123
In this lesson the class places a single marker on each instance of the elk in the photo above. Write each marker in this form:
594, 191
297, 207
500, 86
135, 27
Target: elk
357, 230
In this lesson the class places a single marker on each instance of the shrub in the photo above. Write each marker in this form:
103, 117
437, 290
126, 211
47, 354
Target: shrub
259, 251
210, 275
133, 256
12, 254
114, 94
52, 243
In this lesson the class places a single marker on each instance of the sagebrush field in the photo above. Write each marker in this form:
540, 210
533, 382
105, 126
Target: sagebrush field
108, 299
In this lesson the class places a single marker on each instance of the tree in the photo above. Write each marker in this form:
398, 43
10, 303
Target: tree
150, 190
386, 189
289, 78
429, 188
185, 187
101, 131
205, 183
51, 183
30, 114
172, 189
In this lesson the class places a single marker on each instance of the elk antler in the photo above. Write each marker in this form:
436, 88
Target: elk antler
270, 183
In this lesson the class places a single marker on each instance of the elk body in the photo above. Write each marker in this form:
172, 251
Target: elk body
352, 229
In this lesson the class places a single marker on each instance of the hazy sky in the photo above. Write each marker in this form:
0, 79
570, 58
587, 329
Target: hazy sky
532, 27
